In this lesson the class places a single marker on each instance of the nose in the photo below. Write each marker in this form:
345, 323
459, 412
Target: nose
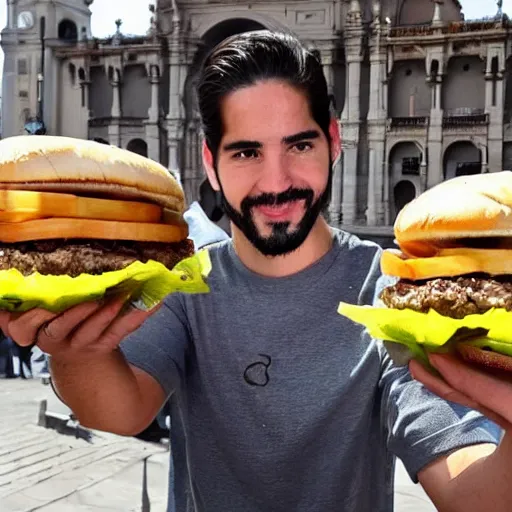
275, 175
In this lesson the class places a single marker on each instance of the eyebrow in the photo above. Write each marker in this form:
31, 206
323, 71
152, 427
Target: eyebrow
290, 139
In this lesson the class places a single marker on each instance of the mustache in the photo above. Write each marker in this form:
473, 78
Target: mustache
269, 199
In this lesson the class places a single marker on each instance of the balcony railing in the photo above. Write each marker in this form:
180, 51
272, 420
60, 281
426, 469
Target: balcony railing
408, 122
453, 121
454, 27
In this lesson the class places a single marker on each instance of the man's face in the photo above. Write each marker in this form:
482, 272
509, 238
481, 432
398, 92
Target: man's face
273, 166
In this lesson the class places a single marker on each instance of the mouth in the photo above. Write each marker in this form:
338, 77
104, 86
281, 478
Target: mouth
279, 212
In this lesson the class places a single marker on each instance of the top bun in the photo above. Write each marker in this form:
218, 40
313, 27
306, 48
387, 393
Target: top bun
464, 207
84, 167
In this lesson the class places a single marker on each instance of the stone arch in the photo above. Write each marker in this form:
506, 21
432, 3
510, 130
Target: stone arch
462, 158
403, 193
259, 19
405, 158
138, 146
67, 30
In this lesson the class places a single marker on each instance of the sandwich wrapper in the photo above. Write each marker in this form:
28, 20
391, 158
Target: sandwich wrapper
413, 334
144, 285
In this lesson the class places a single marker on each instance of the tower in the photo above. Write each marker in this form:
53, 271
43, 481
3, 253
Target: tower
35, 30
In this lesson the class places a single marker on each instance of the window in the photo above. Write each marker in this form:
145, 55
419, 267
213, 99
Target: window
410, 165
465, 67
22, 67
408, 72
23, 94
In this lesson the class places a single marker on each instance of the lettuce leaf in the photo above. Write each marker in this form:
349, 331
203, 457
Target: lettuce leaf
144, 284
432, 332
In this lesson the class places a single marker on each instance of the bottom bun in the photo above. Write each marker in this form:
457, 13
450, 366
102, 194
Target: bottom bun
486, 358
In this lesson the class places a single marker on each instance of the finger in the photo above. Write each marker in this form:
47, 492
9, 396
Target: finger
445, 391
93, 328
124, 325
491, 392
438, 386
23, 328
53, 332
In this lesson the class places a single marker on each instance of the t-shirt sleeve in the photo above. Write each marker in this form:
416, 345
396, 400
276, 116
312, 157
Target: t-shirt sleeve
160, 344
421, 426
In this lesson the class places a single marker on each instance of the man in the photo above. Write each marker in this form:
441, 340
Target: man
278, 403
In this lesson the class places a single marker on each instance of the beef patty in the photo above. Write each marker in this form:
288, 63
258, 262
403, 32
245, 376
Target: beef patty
74, 257
456, 297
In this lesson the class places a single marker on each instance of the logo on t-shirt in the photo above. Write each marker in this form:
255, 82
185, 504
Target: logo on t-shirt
256, 374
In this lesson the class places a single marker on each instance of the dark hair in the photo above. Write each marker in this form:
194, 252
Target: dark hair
244, 59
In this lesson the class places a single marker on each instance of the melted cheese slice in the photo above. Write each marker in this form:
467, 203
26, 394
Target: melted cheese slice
23, 205
447, 263
57, 228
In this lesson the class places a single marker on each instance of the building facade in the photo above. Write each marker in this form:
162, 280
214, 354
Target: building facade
421, 94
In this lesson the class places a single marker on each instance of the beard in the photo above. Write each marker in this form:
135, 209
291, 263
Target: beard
282, 240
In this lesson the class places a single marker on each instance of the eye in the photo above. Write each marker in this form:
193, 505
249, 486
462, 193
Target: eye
302, 147
246, 154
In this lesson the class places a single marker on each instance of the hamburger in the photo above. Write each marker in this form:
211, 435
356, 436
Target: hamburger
453, 274
73, 208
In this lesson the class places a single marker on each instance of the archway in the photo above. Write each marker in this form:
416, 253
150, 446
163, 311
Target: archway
138, 146
462, 158
404, 160
101, 140
190, 151
507, 156
403, 193
67, 31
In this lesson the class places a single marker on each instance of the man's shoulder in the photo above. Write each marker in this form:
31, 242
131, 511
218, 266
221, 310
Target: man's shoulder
351, 242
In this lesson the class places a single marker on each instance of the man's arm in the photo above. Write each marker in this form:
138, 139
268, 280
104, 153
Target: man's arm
475, 478
107, 393
113, 366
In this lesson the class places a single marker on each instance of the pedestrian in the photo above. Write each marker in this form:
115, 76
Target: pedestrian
278, 403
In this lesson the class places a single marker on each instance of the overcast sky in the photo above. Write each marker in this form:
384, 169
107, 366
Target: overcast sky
135, 14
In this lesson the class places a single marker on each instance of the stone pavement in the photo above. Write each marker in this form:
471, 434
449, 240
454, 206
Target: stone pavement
46, 471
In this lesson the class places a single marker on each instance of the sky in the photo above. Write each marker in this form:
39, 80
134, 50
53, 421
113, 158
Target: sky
136, 17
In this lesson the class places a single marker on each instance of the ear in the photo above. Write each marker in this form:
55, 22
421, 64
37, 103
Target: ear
209, 167
334, 133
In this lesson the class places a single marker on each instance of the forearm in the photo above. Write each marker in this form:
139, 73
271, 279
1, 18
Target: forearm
103, 392
484, 485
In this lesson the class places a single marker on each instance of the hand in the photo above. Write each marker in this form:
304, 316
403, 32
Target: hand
468, 386
87, 330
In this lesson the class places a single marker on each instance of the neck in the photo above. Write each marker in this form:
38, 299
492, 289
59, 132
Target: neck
316, 245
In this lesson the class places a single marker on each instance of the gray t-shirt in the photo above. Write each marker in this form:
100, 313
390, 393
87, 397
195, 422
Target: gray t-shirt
280, 404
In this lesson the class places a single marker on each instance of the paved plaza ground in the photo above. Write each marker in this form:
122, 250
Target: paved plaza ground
46, 471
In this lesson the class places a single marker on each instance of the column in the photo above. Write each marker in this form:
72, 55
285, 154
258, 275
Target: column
11, 14
377, 118
174, 119
114, 131
435, 172
327, 64
494, 91
371, 211
152, 127
351, 124
115, 110
154, 81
